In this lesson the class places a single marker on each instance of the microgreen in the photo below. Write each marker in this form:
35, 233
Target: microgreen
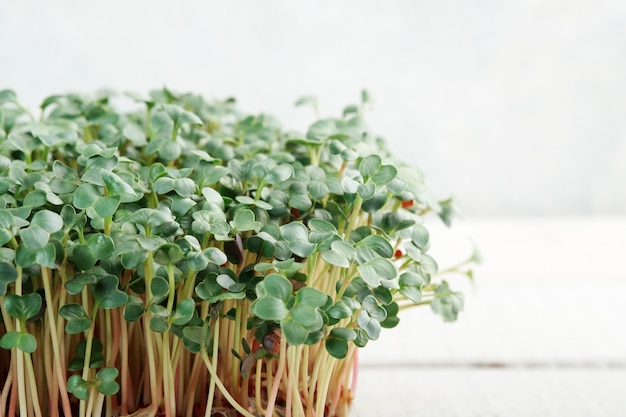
184, 256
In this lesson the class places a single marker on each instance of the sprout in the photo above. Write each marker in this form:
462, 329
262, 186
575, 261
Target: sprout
187, 257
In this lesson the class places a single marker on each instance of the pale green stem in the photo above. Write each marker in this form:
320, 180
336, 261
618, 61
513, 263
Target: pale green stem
222, 388
50, 311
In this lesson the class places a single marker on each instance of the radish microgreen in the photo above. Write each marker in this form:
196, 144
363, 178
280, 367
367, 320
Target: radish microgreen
184, 257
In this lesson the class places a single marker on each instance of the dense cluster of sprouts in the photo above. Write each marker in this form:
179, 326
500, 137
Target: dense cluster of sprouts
184, 259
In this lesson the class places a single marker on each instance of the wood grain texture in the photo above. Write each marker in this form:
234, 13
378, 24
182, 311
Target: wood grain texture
491, 393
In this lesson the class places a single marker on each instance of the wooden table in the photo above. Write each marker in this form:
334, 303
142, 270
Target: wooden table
543, 332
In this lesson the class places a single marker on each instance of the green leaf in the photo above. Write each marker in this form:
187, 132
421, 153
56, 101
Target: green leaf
365, 97
75, 284
184, 187
274, 285
34, 236
213, 174
108, 387
216, 256
86, 196
25, 342
370, 325
160, 289
35, 198
411, 279
337, 347
107, 294
245, 220
46, 256
181, 116
105, 206
304, 316
7, 222
77, 320
412, 293
184, 312
169, 254
392, 319
298, 197
343, 333
321, 130
340, 254
269, 308
135, 134
7, 96
8, 275
369, 166
10, 340
377, 269
70, 218
375, 203
384, 175
89, 197
318, 189
420, 237
448, 211
197, 261
279, 174
429, 264
349, 155
84, 257
116, 186
133, 258
23, 307
393, 222
294, 332
340, 310
244, 199
273, 293
108, 373
213, 197
307, 316
98, 246
79, 387
383, 295
448, 304
349, 110
413, 251
159, 324
371, 306
373, 246
307, 101
49, 221
320, 228
366, 191
349, 185
228, 283
211, 291
298, 237
311, 297
63, 171
101, 245
196, 337
134, 309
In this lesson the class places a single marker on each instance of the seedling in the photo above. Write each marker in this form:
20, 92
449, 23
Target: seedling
187, 259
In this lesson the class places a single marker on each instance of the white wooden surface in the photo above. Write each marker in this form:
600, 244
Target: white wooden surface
543, 332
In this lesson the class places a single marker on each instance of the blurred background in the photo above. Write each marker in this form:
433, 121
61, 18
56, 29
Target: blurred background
515, 108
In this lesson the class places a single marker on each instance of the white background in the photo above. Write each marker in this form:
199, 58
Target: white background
517, 108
